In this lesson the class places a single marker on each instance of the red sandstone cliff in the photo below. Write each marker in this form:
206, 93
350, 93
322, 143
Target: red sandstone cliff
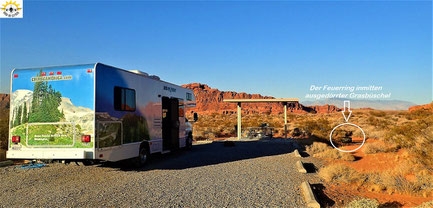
428, 107
4, 105
211, 101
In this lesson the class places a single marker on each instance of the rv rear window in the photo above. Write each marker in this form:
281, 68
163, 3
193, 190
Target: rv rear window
124, 99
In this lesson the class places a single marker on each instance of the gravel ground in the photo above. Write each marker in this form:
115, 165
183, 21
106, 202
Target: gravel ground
250, 174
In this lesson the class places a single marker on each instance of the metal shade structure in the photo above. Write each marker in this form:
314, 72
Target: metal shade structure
239, 101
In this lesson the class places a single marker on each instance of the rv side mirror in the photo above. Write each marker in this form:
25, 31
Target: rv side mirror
195, 117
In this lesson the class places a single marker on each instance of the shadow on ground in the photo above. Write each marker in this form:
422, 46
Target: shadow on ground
310, 168
210, 154
391, 205
319, 191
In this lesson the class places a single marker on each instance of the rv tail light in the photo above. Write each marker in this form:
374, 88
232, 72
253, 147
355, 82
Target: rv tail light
43, 74
89, 70
15, 75
85, 138
16, 139
59, 73
51, 73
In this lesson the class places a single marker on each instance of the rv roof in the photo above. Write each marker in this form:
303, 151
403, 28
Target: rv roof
94, 64
140, 72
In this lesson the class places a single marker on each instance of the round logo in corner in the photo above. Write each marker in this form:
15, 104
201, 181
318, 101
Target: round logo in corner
11, 9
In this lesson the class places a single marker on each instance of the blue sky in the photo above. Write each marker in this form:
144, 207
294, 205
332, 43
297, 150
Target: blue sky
272, 48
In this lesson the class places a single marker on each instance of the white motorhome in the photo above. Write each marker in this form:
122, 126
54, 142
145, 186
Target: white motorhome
95, 112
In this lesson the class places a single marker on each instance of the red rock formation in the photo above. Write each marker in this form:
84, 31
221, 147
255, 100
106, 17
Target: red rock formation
428, 107
4, 107
211, 101
4, 101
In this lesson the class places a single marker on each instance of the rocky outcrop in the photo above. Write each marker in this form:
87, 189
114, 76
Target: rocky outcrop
324, 108
211, 101
428, 107
4, 106
4, 101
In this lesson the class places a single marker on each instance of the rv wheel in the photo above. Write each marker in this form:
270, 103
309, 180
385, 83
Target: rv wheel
142, 158
88, 162
189, 142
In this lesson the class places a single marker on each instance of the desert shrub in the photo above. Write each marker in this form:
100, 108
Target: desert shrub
424, 184
394, 180
317, 147
324, 151
252, 121
398, 183
226, 132
204, 136
374, 132
340, 173
363, 203
296, 132
378, 122
419, 114
319, 128
377, 113
423, 149
376, 147
428, 204
416, 136
335, 154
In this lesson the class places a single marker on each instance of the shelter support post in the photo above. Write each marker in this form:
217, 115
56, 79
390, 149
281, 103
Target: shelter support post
239, 120
285, 120
240, 101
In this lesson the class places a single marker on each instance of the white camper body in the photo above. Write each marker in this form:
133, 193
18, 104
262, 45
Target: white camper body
95, 112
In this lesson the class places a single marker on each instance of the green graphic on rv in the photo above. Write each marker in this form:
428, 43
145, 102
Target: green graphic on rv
43, 109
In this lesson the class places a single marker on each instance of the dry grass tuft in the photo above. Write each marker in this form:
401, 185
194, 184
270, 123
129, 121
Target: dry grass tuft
317, 147
377, 113
425, 205
319, 127
340, 173
377, 147
416, 136
324, 151
391, 181
335, 154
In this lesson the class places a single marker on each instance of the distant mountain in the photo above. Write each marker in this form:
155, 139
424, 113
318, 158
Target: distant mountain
374, 104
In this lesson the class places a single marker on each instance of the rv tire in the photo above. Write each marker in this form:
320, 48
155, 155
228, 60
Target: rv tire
189, 142
143, 156
88, 162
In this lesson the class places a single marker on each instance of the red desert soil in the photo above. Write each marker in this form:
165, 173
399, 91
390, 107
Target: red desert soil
369, 163
372, 162
345, 194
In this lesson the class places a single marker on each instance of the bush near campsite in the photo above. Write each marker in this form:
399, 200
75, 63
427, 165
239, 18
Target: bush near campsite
392, 131
410, 133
